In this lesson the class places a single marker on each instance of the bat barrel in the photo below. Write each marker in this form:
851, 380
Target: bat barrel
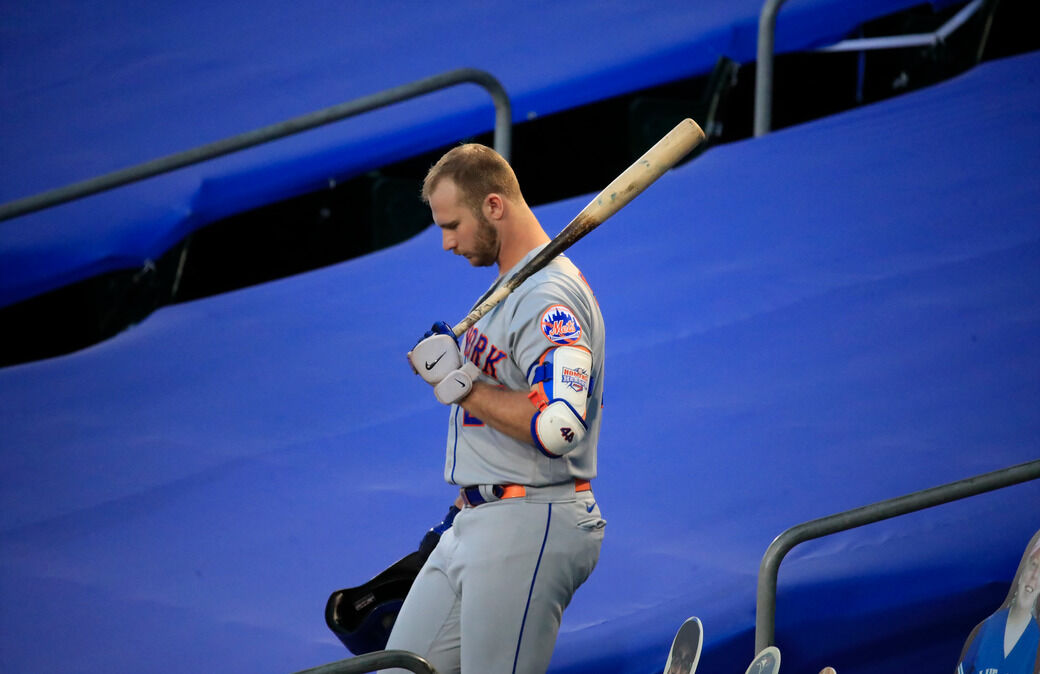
665, 154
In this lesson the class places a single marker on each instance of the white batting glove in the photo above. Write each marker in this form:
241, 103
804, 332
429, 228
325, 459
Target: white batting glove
457, 385
435, 357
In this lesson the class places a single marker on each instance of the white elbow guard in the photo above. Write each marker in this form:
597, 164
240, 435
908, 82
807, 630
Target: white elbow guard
557, 428
561, 382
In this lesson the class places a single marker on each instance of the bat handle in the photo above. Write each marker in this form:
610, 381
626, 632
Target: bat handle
478, 311
465, 324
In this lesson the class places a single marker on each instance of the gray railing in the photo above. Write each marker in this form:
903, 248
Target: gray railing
370, 662
502, 139
765, 612
764, 66
766, 46
913, 40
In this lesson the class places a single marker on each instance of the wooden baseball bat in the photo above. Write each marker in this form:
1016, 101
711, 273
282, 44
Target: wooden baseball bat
665, 154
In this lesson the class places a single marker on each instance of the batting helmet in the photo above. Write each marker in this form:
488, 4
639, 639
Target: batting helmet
363, 616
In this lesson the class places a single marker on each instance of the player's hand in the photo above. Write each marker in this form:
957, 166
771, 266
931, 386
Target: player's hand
436, 355
457, 384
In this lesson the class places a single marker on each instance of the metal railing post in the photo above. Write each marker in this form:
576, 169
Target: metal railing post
503, 138
370, 662
764, 66
767, 46
765, 610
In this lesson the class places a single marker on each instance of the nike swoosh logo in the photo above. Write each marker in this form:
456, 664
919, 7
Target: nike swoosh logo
460, 383
430, 366
589, 508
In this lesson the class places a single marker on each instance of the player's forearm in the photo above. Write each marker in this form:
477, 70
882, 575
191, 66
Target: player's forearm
507, 411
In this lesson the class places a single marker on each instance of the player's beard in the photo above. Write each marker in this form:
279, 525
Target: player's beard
486, 243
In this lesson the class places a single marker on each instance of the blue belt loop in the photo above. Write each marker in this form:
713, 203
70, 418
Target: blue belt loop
473, 497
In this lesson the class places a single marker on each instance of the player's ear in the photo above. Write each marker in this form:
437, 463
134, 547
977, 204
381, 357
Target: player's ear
494, 206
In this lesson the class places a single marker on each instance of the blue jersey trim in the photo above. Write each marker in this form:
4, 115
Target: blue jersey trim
530, 593
533, 366
455, 448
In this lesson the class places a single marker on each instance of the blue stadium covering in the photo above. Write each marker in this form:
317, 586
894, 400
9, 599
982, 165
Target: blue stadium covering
835, 314
89, 88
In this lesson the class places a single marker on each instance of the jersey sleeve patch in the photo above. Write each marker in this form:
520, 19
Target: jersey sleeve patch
560, 326
577, 378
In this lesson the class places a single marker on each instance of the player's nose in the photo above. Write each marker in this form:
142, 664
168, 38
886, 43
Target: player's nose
448, 239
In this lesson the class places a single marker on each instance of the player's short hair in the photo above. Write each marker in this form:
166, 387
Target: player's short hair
477, 171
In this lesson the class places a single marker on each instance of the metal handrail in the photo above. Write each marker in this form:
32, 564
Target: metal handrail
764, 66
370, 662
765, 610
502, 141
915, 40
766, 45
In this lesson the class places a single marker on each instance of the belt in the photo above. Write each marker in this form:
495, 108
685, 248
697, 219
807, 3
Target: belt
487, 493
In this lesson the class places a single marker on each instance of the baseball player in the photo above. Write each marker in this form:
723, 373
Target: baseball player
524, 386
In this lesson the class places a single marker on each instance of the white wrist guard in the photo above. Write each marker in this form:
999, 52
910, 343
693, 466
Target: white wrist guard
434, 357
457, 385
557, 428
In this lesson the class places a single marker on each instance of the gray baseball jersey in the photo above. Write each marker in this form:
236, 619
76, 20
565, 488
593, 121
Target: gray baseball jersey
554, 307
491, 596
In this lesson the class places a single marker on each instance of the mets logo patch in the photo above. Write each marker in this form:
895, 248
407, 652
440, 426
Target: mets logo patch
560, 326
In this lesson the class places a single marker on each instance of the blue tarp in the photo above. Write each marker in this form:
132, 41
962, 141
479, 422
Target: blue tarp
835, 314
90, 88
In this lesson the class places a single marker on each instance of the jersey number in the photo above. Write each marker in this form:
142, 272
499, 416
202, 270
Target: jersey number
567, 434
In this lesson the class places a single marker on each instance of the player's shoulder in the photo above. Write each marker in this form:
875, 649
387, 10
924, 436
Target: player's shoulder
559, 282
561, 273
561, 299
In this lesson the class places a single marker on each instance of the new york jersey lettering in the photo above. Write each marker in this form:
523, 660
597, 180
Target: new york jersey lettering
494, 355
471, 339
470, 420
478, 350
482, 353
